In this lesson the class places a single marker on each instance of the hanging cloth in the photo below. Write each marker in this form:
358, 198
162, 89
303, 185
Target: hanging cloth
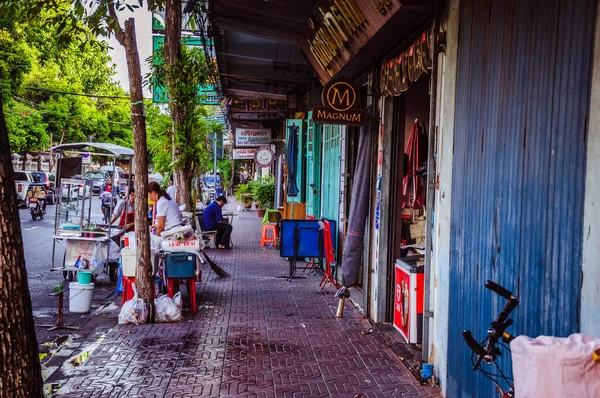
292, 161
412, 187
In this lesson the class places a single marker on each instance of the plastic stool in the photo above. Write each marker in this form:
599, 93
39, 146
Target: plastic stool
265, 239
191, 284
127, 290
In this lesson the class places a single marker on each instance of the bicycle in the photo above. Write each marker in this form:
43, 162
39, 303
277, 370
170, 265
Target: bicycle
488, 350
572, 353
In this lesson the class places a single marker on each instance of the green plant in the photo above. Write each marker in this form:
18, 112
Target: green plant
244, 193
264, 192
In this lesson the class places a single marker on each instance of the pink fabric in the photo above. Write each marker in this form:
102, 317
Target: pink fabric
550, 366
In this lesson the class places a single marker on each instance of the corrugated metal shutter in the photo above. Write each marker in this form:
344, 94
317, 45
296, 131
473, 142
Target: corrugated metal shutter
519, 167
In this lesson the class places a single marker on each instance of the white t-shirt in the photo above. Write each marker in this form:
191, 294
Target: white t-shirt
170, 210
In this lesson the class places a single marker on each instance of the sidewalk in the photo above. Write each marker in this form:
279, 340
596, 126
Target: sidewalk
254, 335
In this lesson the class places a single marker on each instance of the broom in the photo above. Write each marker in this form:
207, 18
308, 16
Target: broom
218, 270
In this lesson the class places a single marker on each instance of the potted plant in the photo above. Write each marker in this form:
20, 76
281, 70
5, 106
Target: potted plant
264, 194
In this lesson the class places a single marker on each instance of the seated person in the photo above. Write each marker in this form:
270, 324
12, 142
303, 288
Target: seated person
168, 214
212, 218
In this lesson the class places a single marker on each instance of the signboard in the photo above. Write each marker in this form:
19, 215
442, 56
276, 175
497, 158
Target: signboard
86, 158
252, 137
243, 153
339, 100
207, 92
338, 29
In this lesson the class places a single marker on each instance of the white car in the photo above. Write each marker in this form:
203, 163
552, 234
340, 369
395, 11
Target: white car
22, 180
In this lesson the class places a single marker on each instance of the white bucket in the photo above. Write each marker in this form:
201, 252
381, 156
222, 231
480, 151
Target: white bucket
80, 297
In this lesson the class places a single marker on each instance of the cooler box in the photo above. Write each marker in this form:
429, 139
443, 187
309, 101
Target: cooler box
128, 261
408, 298
180, 265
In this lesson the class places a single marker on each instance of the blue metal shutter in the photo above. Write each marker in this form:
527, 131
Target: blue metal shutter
522, 100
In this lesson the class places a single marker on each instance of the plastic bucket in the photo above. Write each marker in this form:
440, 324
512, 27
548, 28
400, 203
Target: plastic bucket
80, 297
84, 277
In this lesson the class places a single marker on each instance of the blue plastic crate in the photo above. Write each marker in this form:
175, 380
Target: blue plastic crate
180, 265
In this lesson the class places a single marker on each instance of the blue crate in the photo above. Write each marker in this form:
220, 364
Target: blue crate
180, 265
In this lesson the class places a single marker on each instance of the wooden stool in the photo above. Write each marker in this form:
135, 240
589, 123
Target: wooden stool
265, 239
191, 284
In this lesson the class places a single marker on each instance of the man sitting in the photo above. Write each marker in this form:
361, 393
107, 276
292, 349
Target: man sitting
212, 218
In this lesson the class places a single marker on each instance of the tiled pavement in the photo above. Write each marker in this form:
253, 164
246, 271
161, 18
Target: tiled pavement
254, 335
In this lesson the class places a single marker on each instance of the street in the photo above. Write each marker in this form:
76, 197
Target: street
37, 243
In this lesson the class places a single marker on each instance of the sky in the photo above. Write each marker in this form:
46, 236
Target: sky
143, 31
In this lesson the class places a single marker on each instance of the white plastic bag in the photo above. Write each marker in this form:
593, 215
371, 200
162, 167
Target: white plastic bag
550, 366
134, 310
99, 255
168, 309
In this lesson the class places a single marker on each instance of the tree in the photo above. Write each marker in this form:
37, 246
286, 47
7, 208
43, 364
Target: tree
20, 370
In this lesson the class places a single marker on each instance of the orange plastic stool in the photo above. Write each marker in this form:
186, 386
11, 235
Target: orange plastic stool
266, 229
191, 283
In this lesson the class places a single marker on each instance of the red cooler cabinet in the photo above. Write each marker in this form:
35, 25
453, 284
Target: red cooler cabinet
408, 298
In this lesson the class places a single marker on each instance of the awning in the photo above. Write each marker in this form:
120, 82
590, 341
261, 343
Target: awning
113, 150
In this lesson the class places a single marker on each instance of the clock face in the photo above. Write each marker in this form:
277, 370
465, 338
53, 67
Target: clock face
264, 157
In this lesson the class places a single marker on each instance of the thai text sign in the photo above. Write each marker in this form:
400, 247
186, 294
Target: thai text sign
339, 100
243, 153
252, 137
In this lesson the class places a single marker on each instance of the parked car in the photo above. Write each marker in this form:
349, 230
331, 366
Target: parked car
97, 179
22, 181
49, 180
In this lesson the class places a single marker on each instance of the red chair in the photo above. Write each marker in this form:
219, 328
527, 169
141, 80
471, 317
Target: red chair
329, 256
173, 283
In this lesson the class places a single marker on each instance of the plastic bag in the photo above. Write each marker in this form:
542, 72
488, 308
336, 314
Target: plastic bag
168, 309
99, 255
134, 310
550, 366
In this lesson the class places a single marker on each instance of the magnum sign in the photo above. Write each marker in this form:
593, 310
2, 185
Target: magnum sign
339, 99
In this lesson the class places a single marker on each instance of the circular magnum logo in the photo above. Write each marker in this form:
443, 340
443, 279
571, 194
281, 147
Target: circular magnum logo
340, 96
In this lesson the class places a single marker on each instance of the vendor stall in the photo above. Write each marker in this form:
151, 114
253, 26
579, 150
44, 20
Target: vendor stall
90, 244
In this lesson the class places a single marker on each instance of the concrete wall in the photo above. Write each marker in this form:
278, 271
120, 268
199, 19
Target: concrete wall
443, 197
590, 292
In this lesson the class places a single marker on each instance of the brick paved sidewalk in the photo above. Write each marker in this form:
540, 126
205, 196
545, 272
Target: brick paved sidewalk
254, 335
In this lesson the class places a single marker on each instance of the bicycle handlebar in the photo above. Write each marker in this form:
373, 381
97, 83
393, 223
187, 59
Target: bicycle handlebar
473, 344
496, 288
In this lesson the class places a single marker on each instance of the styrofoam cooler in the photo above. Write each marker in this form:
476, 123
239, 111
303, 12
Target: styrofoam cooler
194, 245
128, 261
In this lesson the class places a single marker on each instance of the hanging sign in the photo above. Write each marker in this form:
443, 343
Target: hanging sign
243, 153
252, 137
339, 99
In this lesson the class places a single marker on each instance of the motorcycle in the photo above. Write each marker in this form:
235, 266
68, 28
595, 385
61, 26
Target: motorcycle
37, 207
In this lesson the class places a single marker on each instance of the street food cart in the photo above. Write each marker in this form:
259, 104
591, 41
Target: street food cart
85, 236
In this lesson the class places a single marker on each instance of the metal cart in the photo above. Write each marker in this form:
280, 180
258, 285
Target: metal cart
74, 220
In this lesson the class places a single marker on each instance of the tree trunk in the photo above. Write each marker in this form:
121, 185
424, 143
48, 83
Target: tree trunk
144, 280
173, 16
20, 370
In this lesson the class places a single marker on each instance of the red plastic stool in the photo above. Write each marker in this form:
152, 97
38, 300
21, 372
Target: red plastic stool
191, 284
265, 239
127, 289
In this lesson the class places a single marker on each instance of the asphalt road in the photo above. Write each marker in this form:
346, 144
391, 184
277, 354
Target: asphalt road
37, 243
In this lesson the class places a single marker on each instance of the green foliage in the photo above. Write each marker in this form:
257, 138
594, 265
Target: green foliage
264, 192
40, 70
244, 192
